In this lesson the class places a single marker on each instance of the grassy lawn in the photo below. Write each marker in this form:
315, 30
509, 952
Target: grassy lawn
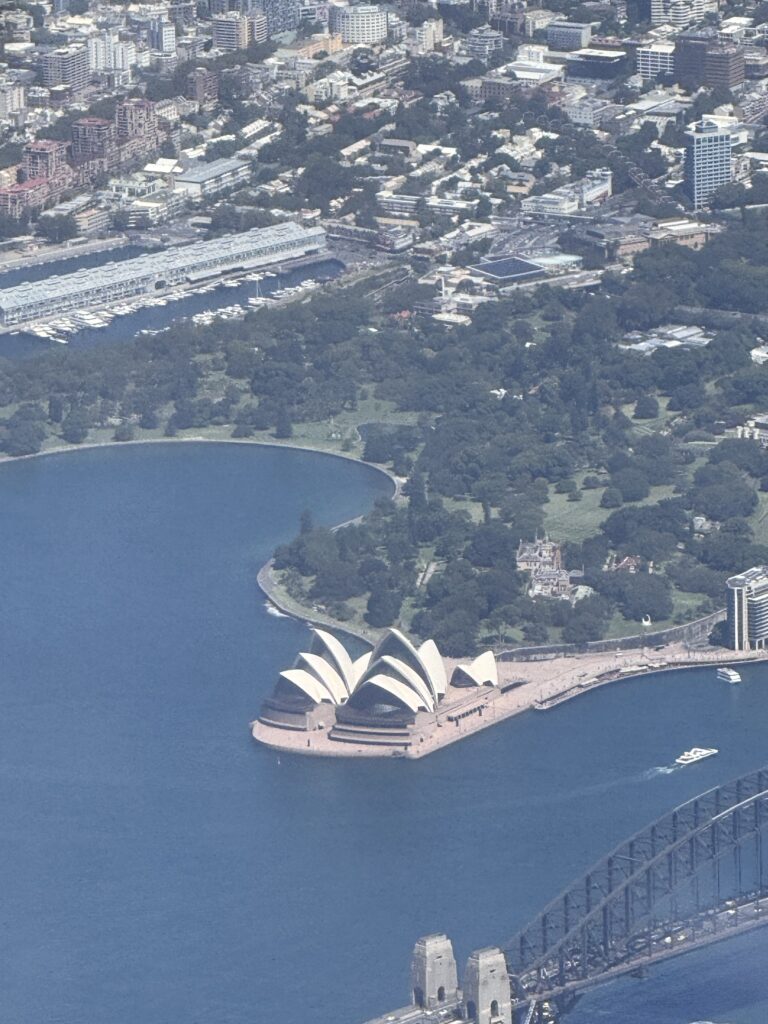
577, 520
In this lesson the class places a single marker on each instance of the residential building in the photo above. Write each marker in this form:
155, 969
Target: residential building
595, 187
282, 15
16, 200
481, 43
747, 623
93, 138
162, 35
67, 65
202, 86
359, 23
230, 31
135, 117
707, 161
43, 159
258, 27
568, 35
12, 98
536, 20
655, 60
680, 13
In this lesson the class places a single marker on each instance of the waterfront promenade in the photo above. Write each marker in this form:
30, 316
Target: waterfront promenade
530, 685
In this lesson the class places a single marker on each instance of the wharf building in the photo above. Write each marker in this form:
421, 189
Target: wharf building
747, 621
707, 161
154, 272
386, 701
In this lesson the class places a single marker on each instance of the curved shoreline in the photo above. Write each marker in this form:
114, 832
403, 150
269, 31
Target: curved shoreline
263, 577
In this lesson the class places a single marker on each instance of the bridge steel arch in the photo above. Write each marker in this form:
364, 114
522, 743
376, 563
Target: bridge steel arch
695, 876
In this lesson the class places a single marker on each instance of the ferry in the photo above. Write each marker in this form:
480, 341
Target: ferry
696, 754
728, 675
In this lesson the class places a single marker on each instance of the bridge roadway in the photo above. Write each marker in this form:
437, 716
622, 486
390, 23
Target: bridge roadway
735, 918
696, 876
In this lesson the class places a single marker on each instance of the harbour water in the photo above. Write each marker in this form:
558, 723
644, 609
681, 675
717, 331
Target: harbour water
25, 344
159, 866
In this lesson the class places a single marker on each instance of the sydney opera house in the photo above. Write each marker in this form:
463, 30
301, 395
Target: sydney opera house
387, 701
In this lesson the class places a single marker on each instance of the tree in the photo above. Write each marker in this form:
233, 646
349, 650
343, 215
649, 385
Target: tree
57, 227
23, 437
631, 483
123, 432
383, 607
74, 427
611, 498
283, 425
646, 408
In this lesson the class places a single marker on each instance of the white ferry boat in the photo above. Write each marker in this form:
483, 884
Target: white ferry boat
728, 675
696, 754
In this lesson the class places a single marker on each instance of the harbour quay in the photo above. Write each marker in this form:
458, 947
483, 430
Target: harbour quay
152, 273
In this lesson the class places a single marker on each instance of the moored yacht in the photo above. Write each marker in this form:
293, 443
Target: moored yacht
728, 675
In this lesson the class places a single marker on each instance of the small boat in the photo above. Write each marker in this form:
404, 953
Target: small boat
696, 754
728, 675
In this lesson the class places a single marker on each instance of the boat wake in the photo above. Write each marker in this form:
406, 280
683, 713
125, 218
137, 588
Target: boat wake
662, 769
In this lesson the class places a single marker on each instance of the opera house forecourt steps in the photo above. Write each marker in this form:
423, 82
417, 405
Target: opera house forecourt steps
396, 700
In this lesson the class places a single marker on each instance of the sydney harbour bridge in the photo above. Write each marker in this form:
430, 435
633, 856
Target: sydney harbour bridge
694, 877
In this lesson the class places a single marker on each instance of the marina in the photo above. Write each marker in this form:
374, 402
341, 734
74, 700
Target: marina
201, 304
154, 274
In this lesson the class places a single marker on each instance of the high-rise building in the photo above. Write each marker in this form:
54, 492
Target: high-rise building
135, 117
690, 54
258, 27
93, 138
12, 98
724, 67
162, 35
230, 31
44, 158
655, 60
183, 14
680, 13
568, 35
282, 15
360, 23
67, 65
748, 609
202, 85
481, 43
707, 160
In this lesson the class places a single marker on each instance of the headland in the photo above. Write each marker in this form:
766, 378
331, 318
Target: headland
519, 686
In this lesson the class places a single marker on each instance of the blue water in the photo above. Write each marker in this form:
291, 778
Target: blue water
160, 867
24, 345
